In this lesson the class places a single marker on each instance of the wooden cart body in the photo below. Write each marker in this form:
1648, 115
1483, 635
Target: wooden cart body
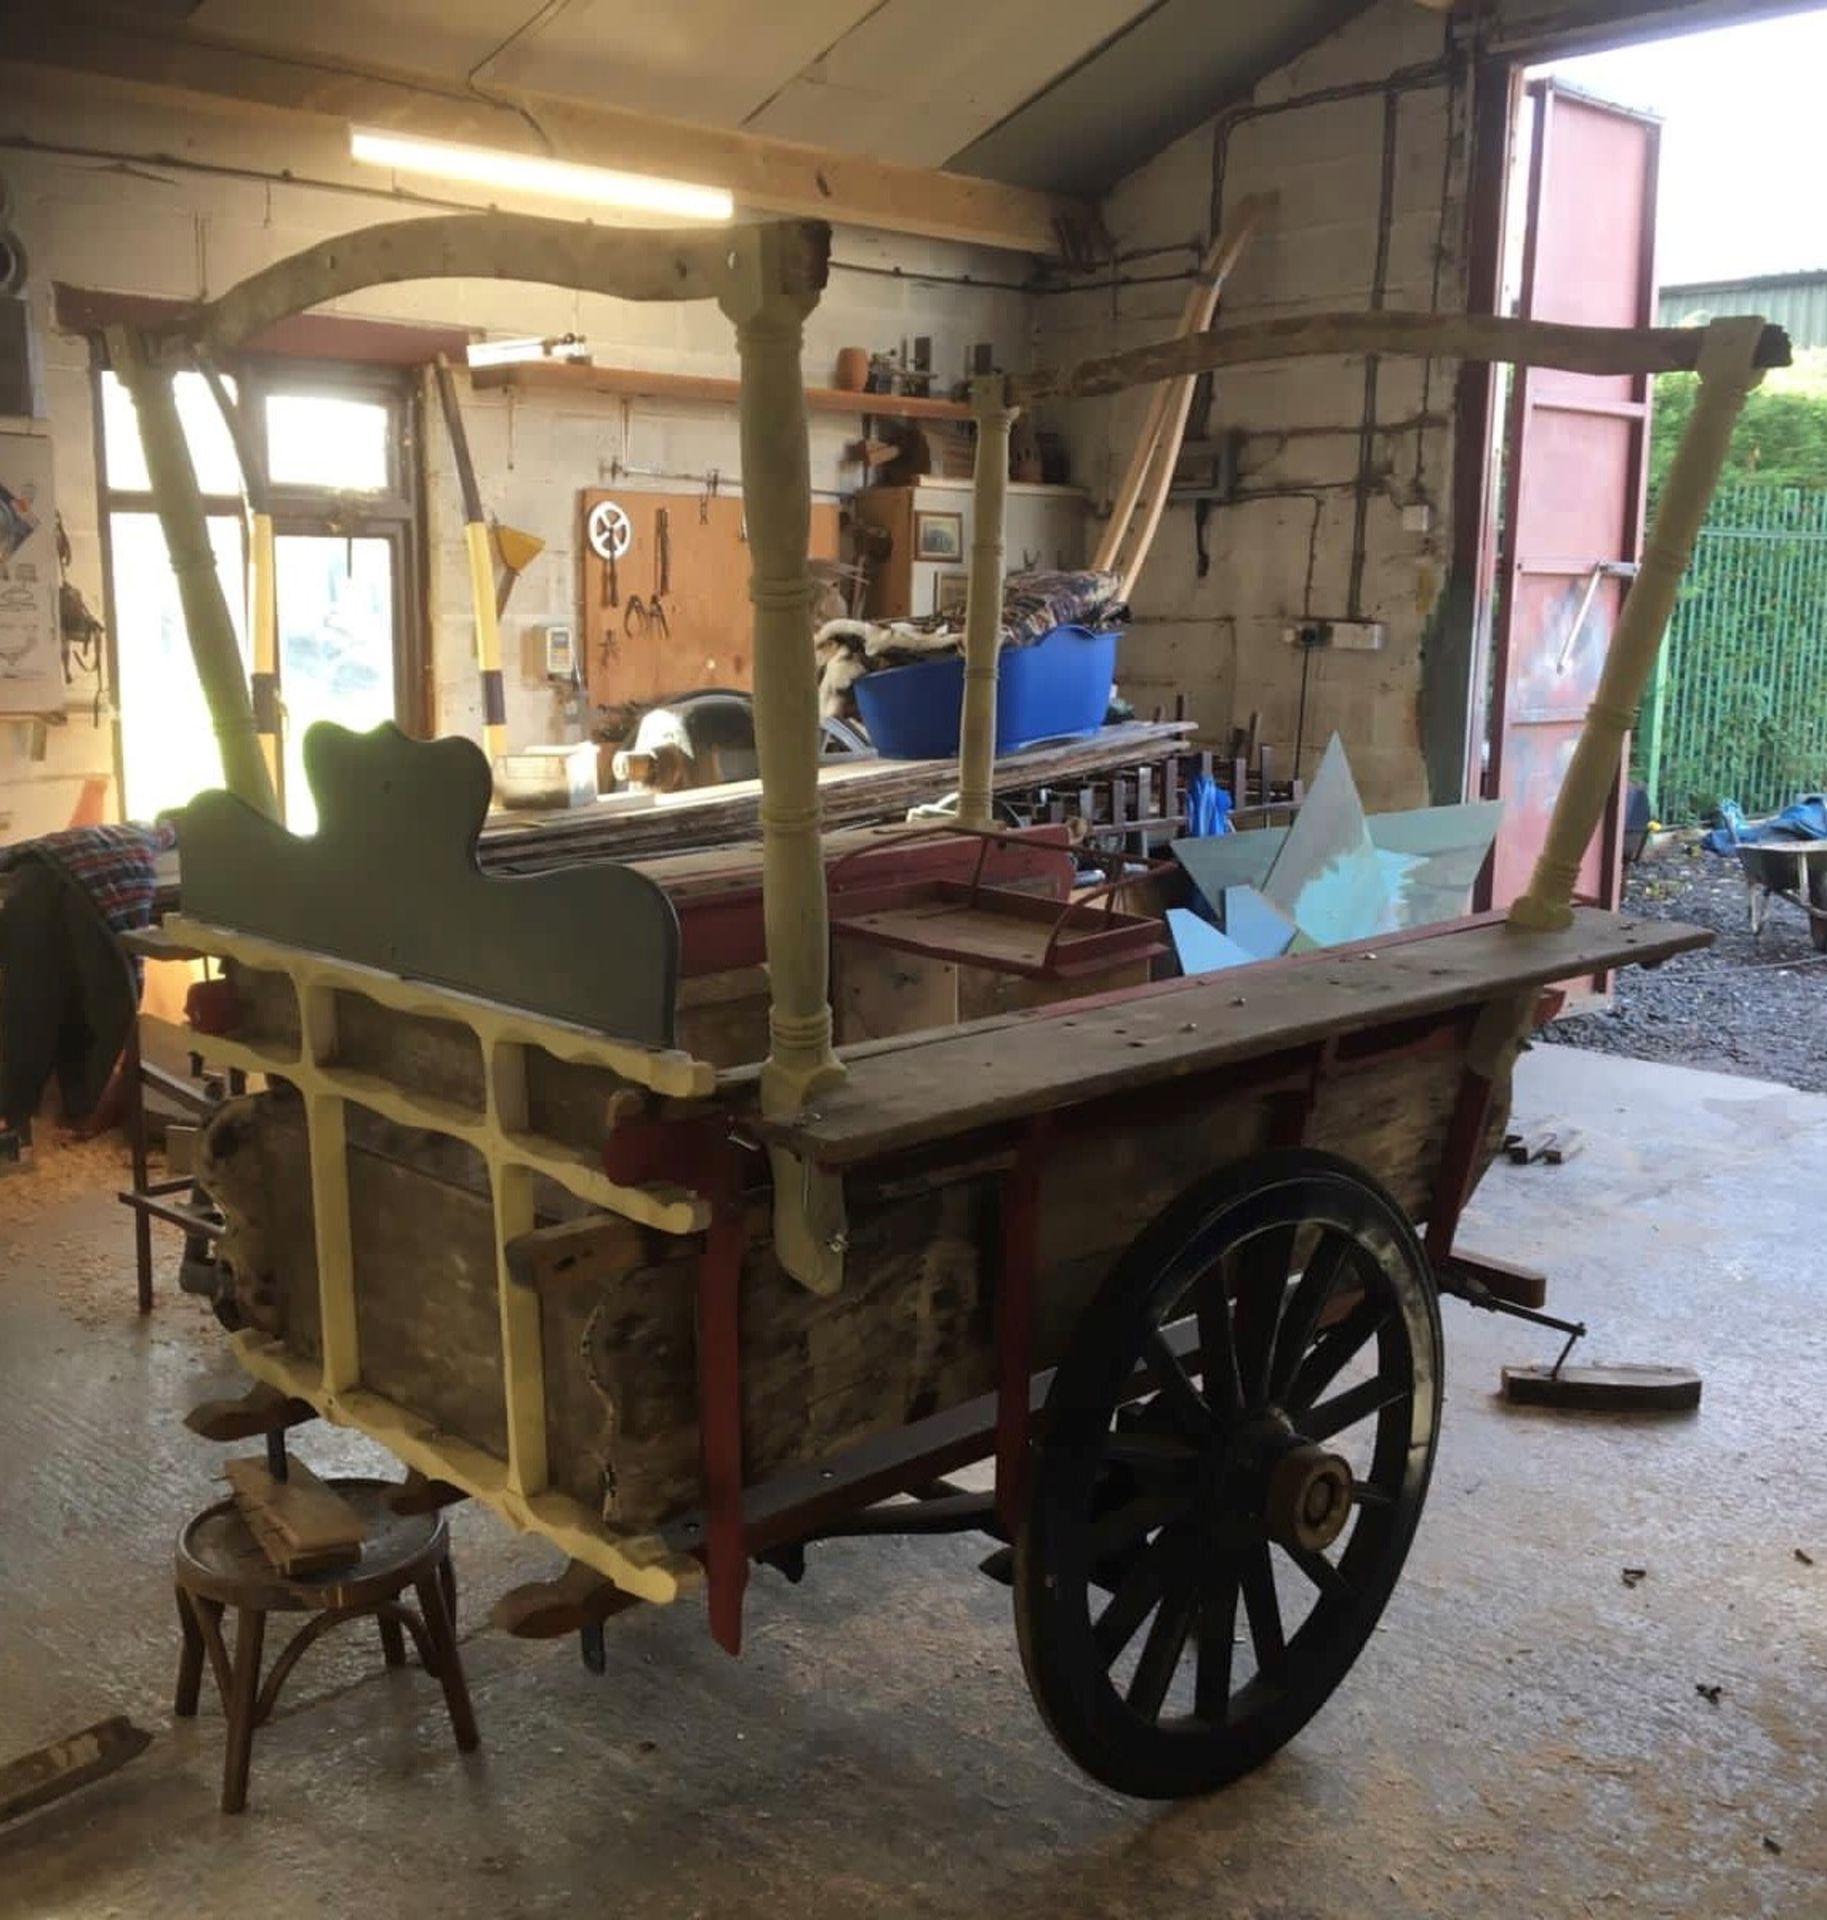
672, 1304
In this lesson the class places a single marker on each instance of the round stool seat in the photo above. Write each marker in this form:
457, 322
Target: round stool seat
218, 1557
219, 1564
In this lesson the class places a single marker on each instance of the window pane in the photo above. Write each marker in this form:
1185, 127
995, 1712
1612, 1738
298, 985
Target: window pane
314, 441
211, 449
168, 748
335, 646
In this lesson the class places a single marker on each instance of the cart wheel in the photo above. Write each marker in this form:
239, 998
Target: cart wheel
1287, 1471
1817, 898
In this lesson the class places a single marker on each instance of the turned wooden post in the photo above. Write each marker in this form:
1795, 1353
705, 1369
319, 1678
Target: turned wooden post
1728, 372
777, 498
769, 310
179, 504
983, 603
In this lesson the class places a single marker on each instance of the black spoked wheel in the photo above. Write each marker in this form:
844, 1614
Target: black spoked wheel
1234, 1457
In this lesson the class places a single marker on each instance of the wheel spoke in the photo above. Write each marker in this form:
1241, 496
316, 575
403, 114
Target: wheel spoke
1333, 1352
1152, 1454
1355, 1404
1182, 1398
1264, 1610
1262, 1281
1166, 1640
1324, 1575
1217, 1638
1368, 1494
1112, 1532
1218, 1344
1301, 1316
1134, 1600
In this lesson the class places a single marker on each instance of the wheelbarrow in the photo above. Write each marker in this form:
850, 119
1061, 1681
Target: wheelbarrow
1792, 870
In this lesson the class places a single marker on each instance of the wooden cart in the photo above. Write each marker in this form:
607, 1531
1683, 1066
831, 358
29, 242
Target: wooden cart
682, 1274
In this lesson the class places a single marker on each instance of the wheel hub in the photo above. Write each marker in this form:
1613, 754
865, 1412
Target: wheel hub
1309, 1498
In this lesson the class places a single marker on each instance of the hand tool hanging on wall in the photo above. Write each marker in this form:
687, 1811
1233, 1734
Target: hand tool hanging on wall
481, 570
516, 551
263, 577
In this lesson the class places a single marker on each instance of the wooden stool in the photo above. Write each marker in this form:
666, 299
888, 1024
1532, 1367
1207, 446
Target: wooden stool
219, 1564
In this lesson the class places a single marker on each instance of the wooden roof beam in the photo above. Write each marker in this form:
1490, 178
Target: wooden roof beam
765, 176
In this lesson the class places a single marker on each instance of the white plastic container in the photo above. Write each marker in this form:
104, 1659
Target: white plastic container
551, 776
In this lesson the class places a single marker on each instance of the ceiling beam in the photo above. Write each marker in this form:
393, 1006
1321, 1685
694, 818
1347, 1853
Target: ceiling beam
765, 176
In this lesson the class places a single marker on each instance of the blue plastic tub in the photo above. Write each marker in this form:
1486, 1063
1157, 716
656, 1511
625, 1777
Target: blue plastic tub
1055, 688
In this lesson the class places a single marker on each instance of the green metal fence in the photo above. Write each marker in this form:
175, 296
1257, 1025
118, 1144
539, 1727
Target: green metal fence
1739, 706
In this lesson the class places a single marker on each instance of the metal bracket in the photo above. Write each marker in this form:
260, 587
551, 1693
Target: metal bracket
1476, 1294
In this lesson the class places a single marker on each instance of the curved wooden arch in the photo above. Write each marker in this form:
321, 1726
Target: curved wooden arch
627, 264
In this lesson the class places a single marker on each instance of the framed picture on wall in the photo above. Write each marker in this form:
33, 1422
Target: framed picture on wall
948, 592
939, 536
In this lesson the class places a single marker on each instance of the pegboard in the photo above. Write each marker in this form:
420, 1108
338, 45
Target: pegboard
708, 630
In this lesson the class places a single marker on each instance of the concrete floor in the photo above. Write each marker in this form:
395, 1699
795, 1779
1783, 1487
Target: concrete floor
1523, 1736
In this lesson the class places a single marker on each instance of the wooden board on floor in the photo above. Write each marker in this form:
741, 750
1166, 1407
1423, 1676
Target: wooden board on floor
708, 636
934, 1089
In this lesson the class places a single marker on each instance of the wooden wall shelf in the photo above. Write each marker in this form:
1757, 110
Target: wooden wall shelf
563, 376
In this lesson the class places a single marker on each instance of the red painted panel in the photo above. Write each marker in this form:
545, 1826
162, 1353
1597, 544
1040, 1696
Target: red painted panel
1575, 470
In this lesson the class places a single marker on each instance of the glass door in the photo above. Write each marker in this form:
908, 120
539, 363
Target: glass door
336, 645
336, 443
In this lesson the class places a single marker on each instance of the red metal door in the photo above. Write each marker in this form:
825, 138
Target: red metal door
1574, 471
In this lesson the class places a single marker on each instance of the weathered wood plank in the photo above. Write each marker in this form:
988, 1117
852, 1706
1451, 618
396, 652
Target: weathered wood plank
36, 1779
933, 1089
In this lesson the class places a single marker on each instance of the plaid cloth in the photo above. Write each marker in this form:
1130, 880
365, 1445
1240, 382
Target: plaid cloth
114, 866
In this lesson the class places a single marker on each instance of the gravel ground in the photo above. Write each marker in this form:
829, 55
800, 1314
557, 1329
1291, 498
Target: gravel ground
1756, 1007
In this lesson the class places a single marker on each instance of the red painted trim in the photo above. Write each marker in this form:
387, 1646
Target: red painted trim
719, 1332
1015, 1319
720, 916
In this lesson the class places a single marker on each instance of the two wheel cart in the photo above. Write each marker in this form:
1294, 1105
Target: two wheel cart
522, 1202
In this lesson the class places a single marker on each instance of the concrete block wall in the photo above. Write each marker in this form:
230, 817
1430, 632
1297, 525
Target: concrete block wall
1314, 134
122, 190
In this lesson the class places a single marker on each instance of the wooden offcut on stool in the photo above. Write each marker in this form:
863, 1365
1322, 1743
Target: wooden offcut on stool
219, 1564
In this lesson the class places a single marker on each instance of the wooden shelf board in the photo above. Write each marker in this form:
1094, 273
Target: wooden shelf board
569, 376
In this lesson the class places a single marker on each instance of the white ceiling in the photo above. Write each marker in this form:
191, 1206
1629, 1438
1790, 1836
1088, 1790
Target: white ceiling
1049, 92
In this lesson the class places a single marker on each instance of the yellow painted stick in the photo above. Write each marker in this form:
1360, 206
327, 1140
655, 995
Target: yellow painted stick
481, 571
263, 591
1728, 371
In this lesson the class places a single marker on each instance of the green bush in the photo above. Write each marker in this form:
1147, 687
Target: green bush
1782, 435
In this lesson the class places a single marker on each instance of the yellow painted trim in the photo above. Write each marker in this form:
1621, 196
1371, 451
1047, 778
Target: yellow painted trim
664, 1070
639, 1563
518, 1488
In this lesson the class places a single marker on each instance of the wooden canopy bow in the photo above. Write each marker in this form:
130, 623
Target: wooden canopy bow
767, 278
1730, 356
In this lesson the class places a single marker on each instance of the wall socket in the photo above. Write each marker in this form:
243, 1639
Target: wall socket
1347, 636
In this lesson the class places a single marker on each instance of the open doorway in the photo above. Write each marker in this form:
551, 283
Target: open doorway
1668, 182
1660, 182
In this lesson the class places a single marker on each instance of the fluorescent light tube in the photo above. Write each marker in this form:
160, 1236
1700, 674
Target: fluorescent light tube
526, 173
